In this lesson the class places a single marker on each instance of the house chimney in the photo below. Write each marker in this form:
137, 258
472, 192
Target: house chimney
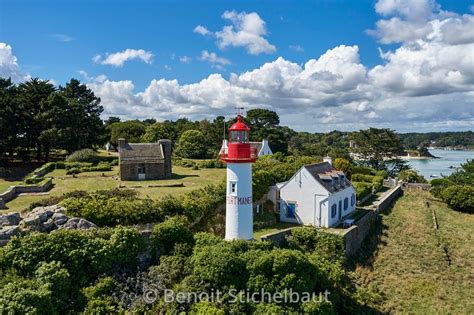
121, 144
328, 159
167, 151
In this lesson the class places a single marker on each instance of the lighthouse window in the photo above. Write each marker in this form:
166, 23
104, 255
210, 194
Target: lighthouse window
239, 136
233, 187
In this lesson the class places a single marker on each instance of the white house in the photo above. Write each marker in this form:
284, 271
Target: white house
263, 148
316, 195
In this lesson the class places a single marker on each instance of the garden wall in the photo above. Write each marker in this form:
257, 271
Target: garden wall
355, 235
14, 191
278, 238
385, 202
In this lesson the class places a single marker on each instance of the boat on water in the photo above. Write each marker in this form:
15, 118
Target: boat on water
434, 176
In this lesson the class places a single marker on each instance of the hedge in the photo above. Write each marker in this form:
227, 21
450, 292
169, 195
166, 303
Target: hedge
362, 170
362, 189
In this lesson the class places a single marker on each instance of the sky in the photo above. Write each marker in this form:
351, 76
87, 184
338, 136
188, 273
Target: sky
321, 65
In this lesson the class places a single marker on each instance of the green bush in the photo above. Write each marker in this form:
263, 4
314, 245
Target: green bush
363, 189
33, 180
303, 239
78, 165
60, 165
73, 171
84, 155
281, 269
219, 267
171, 232
459, 197
52, 257
112, 211
411, 176
382, 173
357, 169
362, 178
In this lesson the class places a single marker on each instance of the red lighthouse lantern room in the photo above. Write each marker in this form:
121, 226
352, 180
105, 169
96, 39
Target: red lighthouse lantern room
238, 148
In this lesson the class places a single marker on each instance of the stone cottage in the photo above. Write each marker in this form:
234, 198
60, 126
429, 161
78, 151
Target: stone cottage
141, 161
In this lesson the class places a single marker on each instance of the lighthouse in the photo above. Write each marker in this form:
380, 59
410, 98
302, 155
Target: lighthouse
239, 156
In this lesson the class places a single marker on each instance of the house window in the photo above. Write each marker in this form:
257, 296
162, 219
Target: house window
353, 199
233, 188
333, 210
291, 210
141, 168
346, 203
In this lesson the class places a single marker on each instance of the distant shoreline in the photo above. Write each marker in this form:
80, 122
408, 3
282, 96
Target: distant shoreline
406, 157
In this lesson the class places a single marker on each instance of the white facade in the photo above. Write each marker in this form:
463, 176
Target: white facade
265, 148
239, 212
304, 199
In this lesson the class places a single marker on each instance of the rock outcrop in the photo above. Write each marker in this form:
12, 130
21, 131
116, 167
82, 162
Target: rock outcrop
40, 219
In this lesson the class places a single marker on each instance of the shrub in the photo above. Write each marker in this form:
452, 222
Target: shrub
281, 269
84, 255
84, 155
171, 232
33, 180
459, 197
411, 176
343, 165
303, 239
382, 173
69, 165
362, 189
362, 178
73, 171
60, 165
112, 211
437, 186
362, 170
219, 267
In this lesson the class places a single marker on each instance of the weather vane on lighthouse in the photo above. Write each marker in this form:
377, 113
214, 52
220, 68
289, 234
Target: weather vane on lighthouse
239, 157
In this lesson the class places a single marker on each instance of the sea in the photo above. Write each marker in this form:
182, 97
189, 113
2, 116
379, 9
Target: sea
447, 162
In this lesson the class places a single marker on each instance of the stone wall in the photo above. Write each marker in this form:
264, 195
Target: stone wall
355, 235
14, 191
129, 171
388, 198
279, 237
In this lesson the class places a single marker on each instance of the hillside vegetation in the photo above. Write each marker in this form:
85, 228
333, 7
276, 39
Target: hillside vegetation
406, 262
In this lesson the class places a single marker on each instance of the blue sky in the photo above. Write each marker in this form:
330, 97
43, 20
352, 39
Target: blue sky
58, 40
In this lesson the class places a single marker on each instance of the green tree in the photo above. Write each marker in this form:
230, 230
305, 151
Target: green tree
379, 148
344, 166
86, 128
9, 117
262, 118
159, 130
131, 130
31, 94
192, 145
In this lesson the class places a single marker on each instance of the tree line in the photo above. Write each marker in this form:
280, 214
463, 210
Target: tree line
37, 116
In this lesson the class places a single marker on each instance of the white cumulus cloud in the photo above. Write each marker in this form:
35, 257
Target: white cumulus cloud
214, 59
119, 58
247, 30
9, 67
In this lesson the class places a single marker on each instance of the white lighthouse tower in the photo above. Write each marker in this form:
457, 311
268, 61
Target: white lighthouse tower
239, 157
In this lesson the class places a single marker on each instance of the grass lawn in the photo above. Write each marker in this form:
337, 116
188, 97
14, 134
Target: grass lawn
92, 181
407, 263
4, 184
191, 179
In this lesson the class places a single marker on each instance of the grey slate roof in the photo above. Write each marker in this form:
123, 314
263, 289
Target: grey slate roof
141, 152
324, 170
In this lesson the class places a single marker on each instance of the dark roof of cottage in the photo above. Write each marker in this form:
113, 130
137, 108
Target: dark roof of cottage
324, 172
141, 152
